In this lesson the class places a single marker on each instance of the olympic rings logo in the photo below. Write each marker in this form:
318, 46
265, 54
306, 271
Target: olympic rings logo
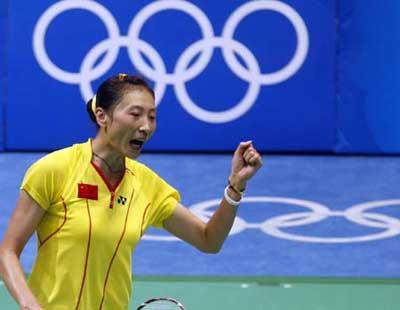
184, 70
360, 214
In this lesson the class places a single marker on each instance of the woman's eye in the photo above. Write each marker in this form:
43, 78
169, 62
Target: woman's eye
135, 114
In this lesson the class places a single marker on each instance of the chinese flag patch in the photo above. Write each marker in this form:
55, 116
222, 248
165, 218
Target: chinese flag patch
87, 191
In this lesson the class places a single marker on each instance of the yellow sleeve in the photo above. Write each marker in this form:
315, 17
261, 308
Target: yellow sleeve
164, 203
44, 180
163, 198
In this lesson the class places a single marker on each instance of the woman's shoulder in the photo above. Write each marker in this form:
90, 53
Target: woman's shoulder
153, 184
140, 169
62, 158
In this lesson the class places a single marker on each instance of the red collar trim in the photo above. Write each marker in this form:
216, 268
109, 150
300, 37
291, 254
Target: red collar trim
106, 181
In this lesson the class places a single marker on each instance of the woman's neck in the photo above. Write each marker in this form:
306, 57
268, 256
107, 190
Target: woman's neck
105, 157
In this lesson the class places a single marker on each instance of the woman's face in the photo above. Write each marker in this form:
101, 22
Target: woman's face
132, 122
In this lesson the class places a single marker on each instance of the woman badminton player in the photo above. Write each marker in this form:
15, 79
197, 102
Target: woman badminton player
91, 203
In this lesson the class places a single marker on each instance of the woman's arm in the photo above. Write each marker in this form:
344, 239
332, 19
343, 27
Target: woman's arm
211, 236
22, 225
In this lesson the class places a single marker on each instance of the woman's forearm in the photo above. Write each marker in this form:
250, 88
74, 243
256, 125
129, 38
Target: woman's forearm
245, 163
220, 224
14, 278
210, 237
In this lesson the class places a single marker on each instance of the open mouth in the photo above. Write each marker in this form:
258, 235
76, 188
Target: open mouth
137, 144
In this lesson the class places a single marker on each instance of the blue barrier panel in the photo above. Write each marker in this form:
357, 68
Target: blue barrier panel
369, 74
222, 70
3, 65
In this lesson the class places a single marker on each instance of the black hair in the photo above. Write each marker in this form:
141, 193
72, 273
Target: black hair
111, 91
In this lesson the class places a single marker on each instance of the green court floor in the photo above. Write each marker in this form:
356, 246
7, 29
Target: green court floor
259, 293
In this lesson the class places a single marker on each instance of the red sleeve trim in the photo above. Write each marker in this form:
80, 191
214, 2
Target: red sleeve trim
58, 229
143, 217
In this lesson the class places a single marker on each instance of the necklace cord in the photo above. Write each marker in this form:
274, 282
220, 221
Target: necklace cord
107, 164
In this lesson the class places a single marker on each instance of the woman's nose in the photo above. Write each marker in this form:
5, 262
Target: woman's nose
145, 126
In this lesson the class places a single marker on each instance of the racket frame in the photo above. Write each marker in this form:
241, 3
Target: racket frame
149, 301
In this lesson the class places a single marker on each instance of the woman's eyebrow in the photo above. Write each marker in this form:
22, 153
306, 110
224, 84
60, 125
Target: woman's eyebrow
135, 107
138, 107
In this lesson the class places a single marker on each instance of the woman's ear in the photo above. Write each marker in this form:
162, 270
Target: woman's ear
101, 117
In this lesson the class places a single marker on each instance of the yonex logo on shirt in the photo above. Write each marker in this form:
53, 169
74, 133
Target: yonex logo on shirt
121, 200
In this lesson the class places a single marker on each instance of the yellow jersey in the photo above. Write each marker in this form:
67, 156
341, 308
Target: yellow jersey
89, 230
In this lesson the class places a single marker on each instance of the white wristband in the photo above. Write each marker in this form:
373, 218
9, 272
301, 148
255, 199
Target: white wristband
229, 200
